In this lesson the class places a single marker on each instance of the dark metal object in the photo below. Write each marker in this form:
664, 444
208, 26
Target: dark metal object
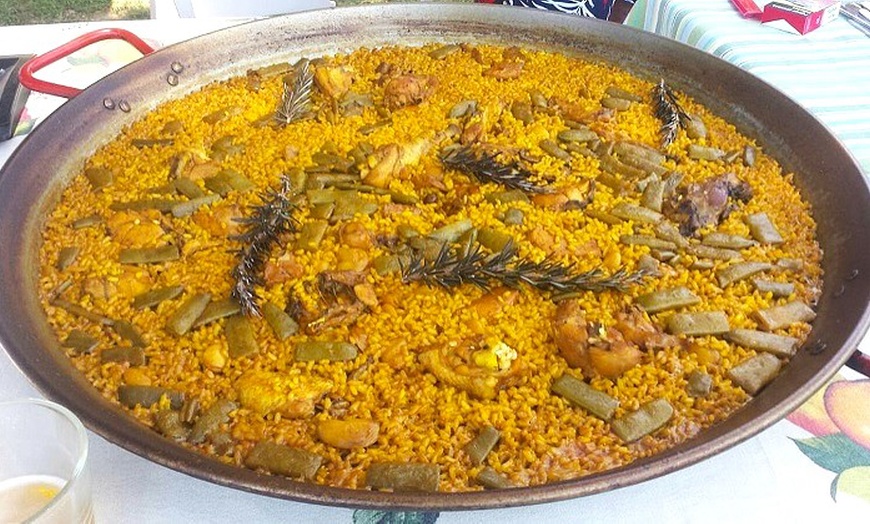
859, 14
12, 94
860, 363
827, 175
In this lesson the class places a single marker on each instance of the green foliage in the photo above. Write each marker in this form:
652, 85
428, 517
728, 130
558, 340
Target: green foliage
834, 452
838, 453
20, 12
363, 516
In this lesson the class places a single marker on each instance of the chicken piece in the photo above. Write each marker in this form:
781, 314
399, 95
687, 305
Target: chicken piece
219, 219
588, 249
580, 113
472, 133
554, 246
385, 72
480, 368
343, 306
513, 53
593, 348
285, 268
359, 337
388, 161
203, 169
366, 294
408, 90
492, 302
602, 115
336, 287
396, 354
413, 151
550, 200
136, 229
293, 396
215, 357
613, 356
336, 315
99, 288
333, 81
572, 333
344, 278
383, 166
637, 328
578, 195
348, 434
431, 177
134, 280
705, 203
475, 53
355, 235
505, 70
392, 208
136, 377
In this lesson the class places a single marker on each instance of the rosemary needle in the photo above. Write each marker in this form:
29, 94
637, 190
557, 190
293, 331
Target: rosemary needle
669, 111
296, 98
453, 268
485, 167
262, 229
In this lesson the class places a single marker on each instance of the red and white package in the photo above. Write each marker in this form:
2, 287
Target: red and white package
747, 8
800, 16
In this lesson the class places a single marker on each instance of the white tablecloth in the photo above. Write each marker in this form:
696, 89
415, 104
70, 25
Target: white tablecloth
766, 479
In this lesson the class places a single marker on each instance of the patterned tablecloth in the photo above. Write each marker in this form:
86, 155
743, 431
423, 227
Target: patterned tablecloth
803, 469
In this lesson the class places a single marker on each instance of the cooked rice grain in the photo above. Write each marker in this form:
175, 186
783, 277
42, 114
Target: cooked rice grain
543, 438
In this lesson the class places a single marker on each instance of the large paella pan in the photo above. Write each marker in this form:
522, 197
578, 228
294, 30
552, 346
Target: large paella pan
825, 175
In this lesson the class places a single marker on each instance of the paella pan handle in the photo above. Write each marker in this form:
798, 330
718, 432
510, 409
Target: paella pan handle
34, 84
859, 362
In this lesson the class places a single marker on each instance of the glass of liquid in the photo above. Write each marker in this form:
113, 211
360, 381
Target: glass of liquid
44, 475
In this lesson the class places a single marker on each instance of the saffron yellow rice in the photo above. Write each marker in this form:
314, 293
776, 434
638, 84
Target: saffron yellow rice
419, 418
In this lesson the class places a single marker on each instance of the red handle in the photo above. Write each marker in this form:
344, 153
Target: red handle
34, 84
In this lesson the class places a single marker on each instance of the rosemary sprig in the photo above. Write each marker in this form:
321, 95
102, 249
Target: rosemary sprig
669, 111
296, 98
485, 167
453, 268
262, 229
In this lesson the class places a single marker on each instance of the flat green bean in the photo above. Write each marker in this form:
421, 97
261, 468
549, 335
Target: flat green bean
325, 350
480, 446
699, 323
182, 320
582, 394
645, 420
283, 460
241, 341
755, 372
405, 476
